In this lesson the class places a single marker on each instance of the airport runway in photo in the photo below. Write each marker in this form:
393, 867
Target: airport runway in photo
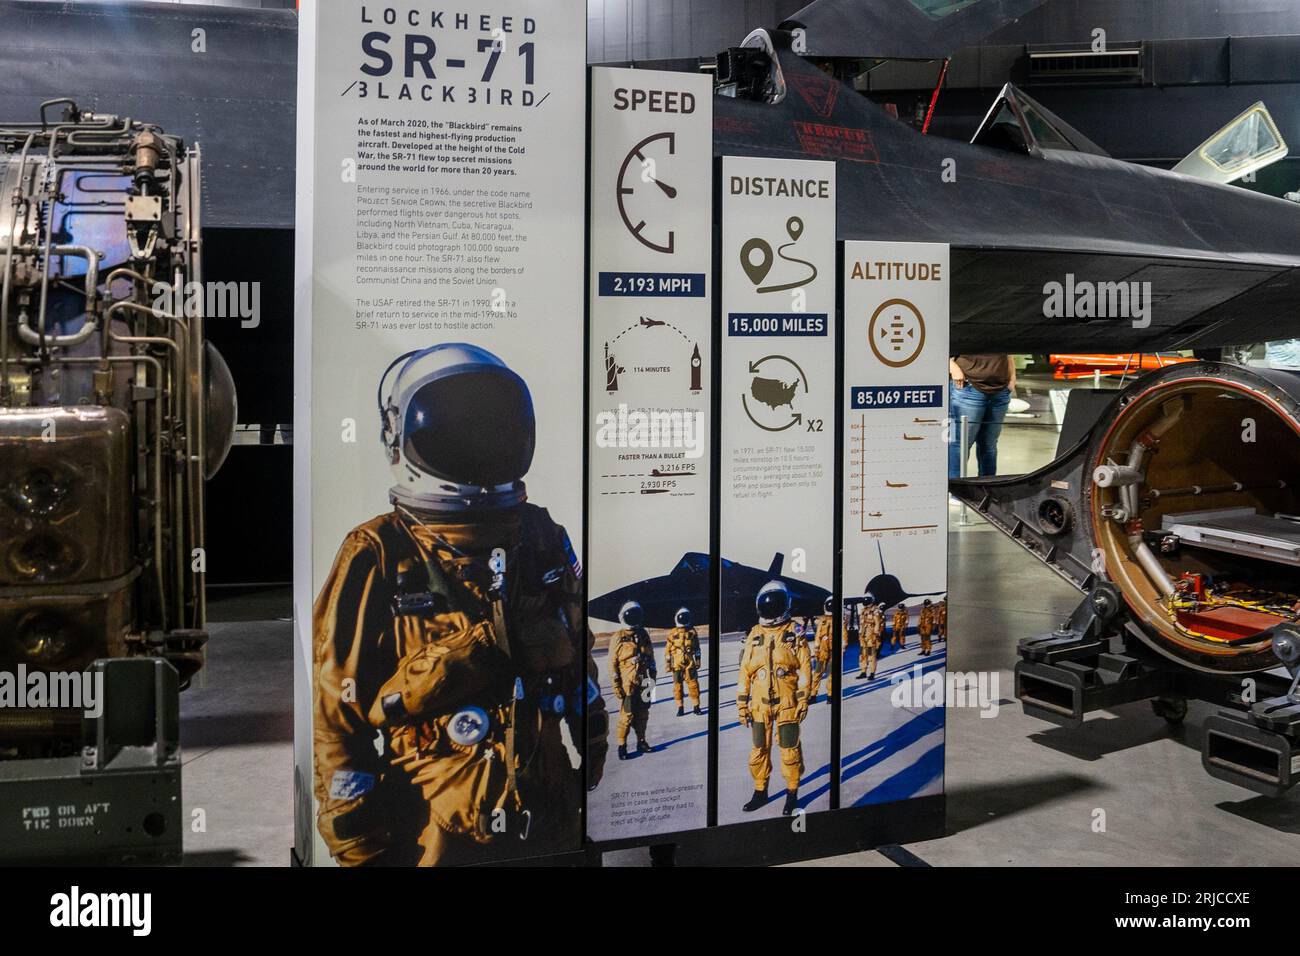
888, 753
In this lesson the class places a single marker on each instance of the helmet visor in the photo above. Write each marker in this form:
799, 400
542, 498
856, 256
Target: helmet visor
472, 428
773, 604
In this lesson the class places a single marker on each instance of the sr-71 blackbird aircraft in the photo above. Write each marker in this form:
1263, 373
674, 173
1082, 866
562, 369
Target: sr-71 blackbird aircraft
1031, 201
1177, 512
687, 585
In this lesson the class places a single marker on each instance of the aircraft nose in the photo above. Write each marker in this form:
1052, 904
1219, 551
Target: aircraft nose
606, 607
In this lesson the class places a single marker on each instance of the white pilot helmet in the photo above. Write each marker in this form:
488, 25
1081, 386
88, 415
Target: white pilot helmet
631, 614
773, 603
459, 429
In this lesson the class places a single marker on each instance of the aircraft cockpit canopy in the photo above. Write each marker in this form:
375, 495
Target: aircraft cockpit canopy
1247, 144
1020, 124
693, 563
938, 9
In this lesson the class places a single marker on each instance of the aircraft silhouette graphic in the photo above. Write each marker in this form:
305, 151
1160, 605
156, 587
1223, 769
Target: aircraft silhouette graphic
885, 587
687, 585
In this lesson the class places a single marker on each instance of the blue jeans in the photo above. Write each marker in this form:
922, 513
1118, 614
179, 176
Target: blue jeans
984, 413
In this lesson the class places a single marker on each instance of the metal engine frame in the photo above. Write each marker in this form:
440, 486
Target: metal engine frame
1106, 654
113, 412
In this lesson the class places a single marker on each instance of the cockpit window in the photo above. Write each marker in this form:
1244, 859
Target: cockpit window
1241, 143
1246, 145
1003, 132
1045, 134
1018, 123
938, 9
693, 563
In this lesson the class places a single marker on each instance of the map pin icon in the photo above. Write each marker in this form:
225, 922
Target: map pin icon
794, 227
757, 271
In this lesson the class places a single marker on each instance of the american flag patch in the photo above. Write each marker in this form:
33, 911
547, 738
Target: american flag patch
572, 556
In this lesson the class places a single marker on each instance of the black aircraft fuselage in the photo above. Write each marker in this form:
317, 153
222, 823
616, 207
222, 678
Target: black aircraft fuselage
1223, 262
688, 586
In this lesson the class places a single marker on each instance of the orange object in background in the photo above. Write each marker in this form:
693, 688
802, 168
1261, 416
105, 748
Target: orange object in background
1192, 585
1227, 623
1080, 365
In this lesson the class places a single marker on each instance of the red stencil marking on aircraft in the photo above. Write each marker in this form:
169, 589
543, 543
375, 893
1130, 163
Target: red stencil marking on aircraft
836, 142
820, 92
727, 124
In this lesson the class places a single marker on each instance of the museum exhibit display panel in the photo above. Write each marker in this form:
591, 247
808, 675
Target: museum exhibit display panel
649, 440
777, 458
440, 341
895, 518
477, 679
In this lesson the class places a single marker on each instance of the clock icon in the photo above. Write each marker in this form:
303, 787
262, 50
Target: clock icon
634, 187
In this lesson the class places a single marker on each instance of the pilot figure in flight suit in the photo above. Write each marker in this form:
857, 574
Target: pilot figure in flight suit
899, 636
925, 624
449, 659
823, 649
870, 631
771, 694
633, 673
682, 655
941, 620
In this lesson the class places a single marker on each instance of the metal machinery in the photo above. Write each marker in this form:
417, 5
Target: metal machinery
113, 412
1178, 514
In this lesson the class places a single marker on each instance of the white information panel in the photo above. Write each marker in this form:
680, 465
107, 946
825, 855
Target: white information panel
778, 459
651, 311
442, 671
895, 520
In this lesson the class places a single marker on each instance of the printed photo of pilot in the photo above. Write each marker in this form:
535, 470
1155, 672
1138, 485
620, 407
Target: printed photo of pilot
651, 648
451, 672
774, 695
891, 729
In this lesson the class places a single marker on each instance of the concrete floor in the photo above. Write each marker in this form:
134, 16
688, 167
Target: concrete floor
237, 739
1123, 790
